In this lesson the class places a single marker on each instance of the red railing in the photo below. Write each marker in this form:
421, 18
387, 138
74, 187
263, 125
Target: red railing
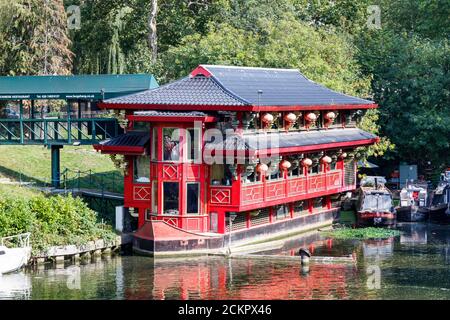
281, 189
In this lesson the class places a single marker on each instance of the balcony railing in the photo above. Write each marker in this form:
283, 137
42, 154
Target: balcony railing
277, 190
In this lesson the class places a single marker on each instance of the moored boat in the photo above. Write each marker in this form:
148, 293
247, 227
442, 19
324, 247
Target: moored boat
13, 259
413, 203
374, 206
440, 202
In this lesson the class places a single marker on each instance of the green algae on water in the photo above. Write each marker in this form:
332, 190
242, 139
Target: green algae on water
362, 233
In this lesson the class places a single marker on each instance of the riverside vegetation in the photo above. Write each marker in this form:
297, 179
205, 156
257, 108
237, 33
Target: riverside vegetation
362, 233
52, 220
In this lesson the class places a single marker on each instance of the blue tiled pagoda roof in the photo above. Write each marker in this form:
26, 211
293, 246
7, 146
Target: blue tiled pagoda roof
210, 85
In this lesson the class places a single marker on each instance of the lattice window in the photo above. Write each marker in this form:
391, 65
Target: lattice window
261, 218
240, 222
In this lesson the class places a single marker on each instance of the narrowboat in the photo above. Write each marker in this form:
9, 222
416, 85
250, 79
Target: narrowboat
413, 203
374, 205
440, 201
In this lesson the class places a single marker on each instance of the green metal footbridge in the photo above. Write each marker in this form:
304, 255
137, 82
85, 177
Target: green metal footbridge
62, 110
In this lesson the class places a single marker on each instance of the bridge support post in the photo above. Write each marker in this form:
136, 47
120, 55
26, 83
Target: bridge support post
56, 168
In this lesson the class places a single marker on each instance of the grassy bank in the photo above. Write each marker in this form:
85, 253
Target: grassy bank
33, 164
52, 220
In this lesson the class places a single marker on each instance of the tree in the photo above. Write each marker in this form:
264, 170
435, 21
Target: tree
152, 35
34, 38
411, 83
425, 19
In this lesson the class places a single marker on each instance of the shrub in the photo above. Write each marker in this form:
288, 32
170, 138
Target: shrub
54, 220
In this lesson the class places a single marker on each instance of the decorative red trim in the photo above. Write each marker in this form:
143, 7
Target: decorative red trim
174, 107
200, 70
172, 118
120, 149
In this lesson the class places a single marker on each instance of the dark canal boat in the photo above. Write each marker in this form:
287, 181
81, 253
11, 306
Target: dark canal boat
374, 204
413, 203
440, 202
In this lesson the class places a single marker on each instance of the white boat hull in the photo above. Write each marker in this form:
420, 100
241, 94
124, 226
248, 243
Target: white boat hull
13, 259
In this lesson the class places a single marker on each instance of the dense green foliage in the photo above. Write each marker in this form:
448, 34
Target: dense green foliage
52, 220
362, 233
412, 85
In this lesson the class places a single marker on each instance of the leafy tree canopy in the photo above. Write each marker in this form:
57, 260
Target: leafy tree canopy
34, 38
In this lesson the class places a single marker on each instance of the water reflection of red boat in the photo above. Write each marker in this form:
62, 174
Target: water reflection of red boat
244, 279
219, 278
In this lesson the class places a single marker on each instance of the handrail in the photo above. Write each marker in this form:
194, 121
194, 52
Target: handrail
23, 238
66, 131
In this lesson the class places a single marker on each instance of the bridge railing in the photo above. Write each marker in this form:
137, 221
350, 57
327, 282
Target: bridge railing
102, 182
61, 131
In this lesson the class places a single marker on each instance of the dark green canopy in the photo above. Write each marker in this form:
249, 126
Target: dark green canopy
80, 87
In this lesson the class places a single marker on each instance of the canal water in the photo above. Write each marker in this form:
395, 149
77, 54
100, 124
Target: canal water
415, 265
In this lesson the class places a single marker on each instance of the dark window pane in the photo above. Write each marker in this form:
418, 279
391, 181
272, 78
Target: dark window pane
193, 139
192, 197
171, 196
142, 169
318, 203
282, 212
171, 143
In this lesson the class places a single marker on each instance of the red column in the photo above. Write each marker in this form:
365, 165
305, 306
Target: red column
141, 217
221, 222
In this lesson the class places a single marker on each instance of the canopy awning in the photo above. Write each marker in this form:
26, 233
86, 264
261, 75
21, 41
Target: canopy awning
77, 87
131, 143
290, 142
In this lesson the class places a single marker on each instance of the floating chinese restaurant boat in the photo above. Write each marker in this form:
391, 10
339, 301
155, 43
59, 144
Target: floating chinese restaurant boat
440, 202
374, 205
413, 203
231, 155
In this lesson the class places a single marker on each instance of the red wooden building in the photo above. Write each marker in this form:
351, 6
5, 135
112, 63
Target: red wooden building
260, 151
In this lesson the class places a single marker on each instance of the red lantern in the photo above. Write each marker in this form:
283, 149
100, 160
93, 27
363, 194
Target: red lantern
326, 160
330, 116
290, 120
262, 168
311, 117
267, 120
307, 162
290, 117
285, 165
